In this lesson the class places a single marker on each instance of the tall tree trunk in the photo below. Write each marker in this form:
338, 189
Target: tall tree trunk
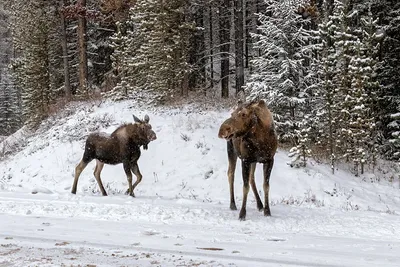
197, 51
239, 66
224, 20
185, 85
67, 85
82, 51
211, 49
251, 27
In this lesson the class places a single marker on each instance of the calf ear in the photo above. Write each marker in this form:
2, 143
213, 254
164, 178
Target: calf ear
261, 103
136, 119
146, 118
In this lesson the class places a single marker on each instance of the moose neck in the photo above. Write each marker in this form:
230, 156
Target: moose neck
136, 135
256, 132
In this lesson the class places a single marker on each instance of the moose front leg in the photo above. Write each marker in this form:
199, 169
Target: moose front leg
127, 169
136, 171
232, 159
254, 187
246, 187
267, 173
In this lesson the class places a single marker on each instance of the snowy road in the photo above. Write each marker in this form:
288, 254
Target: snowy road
51, 230
181, 214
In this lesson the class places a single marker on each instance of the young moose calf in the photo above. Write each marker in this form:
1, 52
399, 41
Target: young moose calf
122, 146
251, 136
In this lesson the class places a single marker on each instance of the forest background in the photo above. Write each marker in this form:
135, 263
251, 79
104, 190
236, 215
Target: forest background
329, 70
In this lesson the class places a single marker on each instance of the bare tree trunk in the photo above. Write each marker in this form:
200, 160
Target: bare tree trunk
251, 27
82, 52
239, 62
224, 20
67, 85
185, 85
211, 49
197, 50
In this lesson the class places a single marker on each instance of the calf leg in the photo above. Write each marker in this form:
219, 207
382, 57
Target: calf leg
97, 171
136, 171
246, 187
267, 173
232, 159
254, 187
127, 169
78, 170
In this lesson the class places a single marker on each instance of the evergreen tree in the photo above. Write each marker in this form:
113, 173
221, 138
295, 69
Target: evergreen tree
325, 109
9, 97
389, 77
281, 74
151, 48
32, 26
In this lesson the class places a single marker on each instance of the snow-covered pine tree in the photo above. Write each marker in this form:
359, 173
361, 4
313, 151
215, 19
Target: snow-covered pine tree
394, 139
155, 46
32, 71
325, 109
345, 43
389, 77
281, 75
9, 104
363, 68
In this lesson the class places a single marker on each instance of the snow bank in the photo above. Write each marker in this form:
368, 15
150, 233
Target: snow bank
187, 162
12, 142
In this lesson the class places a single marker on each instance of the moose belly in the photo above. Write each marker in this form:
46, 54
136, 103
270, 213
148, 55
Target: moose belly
249, 152
108, 158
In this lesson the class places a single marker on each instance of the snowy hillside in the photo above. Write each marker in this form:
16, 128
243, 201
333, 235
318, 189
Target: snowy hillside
181, 215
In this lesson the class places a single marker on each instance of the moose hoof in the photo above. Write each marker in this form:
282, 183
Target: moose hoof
260, 206
128, 192
267, 212
233, 206
242, 215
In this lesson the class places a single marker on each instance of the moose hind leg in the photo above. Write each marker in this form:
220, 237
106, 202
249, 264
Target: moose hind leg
127, 169
254, 187
136, 171
246, 187
267, 173
97, 172
78, 170
232, 159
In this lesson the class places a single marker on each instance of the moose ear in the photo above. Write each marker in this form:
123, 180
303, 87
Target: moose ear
261, 103
146, 118
136, 119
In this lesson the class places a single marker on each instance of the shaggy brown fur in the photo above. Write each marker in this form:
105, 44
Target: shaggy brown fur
122, 146
251, 136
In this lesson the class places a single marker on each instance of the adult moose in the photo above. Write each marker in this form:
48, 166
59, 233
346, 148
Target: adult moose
122, 146
250, 134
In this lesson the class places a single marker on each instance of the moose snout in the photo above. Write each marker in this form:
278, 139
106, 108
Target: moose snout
152, 136
225, 132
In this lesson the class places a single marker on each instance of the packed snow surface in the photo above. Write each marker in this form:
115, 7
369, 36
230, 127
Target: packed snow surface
181, 215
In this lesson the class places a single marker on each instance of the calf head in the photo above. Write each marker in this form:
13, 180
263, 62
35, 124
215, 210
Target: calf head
144, 131
241, 121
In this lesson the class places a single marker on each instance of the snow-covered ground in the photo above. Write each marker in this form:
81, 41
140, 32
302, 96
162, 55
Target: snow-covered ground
181, 216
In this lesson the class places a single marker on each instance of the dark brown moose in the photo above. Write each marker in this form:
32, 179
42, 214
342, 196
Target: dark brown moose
122, 146
251, 136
